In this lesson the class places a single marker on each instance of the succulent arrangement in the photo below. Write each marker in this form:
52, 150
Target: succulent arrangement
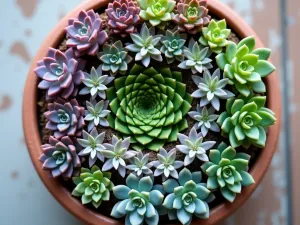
135, 100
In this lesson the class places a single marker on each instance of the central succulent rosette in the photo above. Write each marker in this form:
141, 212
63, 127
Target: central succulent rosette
149, 105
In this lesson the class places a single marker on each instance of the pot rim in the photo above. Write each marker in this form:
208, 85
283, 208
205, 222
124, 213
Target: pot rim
63, 195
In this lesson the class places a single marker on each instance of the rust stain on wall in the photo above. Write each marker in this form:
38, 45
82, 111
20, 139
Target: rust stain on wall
19, 49
5, 102
27, 6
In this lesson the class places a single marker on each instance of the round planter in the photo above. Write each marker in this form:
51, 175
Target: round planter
33, 139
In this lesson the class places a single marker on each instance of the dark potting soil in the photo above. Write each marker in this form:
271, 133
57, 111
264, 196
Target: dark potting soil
106, 207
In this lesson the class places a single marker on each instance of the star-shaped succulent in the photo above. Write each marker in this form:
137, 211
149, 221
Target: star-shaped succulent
140, 165
193, 146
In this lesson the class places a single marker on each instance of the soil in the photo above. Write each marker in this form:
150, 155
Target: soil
106, 207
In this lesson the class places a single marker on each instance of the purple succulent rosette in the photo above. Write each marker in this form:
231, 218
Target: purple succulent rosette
61, 73
123, 16
85, 33
65, 118
60, 157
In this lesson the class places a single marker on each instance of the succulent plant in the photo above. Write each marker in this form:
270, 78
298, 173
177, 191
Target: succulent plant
60, 73
92, 144
197, 58
93, 186
193, 146
123, 16
191, 15
211, 89
215, 36
172, 46
157, 12
65, 118
145, 45
140, 165
227, 171
205, 119
139, 201
114, 57
166, 165
95, 83
96, 113
245, 67
187, 197
85, 33
245, 121
116, 153
149, 106
60, 157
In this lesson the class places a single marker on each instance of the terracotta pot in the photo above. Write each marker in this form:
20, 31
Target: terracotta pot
33, 139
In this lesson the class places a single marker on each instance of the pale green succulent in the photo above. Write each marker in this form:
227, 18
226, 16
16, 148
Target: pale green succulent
114, 57
93, 186
245, 67
95, 83
215, 35
197, 58
145, 45
245, 121
139, 201
173, 44
157, 12
117, 153
227, 171
194, 147
211, 89
187, 197
140, 165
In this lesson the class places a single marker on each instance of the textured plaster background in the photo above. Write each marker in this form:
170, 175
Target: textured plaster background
24, 25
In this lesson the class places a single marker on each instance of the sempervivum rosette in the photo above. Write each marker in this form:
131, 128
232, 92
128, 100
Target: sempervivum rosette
60, 73
85, 33
123, 16
65, 118
60, 157
149, 106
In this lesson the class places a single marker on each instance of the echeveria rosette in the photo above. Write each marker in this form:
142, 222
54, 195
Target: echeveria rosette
227, 171
93, 186
61, 73
92, 144
194, 147
245, 66
140, 165
96, 113
60, 157
245, 121
85, 33
211, 89
191, 15
157, 12
115, 58
166, 165
215, 36
65, 118
95, 83
172, 46
149, 105
187, 197
197, 58
145, 45
205, 119
123, 16
139, 201
117, 153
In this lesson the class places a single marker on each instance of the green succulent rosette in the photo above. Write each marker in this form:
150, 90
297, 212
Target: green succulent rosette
245, 66
93, 186
215, 35
245, 121
227, 171
150, 106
